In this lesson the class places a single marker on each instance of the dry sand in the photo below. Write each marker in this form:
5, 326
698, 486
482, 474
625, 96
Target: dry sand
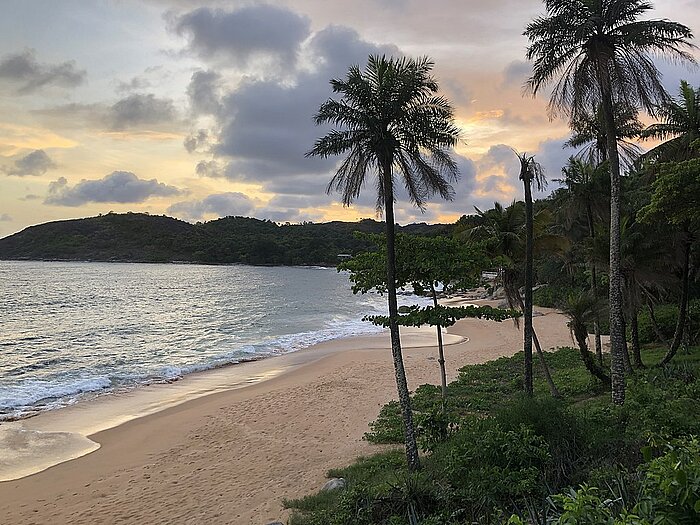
241, 445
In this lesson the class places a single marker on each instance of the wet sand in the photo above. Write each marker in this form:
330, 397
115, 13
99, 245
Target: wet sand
226, 446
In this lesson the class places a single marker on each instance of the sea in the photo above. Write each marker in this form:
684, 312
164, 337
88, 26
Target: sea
75, 330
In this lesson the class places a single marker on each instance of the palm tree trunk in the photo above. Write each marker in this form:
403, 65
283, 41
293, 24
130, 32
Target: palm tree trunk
581, 334
634, 331
401, 384
655, 325
553, 390
594, 286
683, 309
527, 309
441, 355
617, 334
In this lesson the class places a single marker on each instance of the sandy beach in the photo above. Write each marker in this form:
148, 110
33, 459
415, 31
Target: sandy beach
227, 446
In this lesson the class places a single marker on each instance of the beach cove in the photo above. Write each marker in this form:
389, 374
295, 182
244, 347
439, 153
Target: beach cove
233, 453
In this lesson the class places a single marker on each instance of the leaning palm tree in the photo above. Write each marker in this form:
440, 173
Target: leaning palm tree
679, 127
597, 53
391, 122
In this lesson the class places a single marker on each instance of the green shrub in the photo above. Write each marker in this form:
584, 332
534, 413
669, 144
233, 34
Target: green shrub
487, 467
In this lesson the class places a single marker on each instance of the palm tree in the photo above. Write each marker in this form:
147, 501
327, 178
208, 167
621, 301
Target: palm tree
531, 172
503, 230
598, 55
391, 120
582, 308
679, 127
582, 195
587, 134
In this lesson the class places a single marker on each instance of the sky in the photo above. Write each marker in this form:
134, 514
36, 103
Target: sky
201, 110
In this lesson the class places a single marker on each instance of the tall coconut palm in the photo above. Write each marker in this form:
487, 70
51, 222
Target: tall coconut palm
531, 173
503, 230
679, 127
597, 53
390, 121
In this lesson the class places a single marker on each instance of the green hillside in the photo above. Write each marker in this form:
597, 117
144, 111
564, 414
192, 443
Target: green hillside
137, 237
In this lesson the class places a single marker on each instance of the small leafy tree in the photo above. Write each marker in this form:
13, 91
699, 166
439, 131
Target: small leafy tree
425, 263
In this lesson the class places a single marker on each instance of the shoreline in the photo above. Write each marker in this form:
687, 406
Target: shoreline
47, 438
233, 455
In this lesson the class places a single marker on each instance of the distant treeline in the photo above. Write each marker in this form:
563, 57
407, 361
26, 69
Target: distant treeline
138, 237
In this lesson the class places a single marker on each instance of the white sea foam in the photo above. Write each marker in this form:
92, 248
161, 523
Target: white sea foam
157, 323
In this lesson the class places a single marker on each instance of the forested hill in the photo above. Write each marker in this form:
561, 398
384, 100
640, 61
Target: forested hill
136, 237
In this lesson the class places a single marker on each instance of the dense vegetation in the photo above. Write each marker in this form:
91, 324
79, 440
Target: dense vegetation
138, 237
498, 455
590, 436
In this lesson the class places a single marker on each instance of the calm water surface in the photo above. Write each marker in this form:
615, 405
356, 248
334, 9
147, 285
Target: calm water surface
70, 330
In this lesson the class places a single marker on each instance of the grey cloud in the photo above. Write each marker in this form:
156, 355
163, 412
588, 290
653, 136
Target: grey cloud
245, 33
140, 111
553, 157
516, 74
267, 127
135, 84
30, 197
198, 141
118, 186
221, 204
149, 78
204, 94
5, 218
26, 74
35, 163
210, 168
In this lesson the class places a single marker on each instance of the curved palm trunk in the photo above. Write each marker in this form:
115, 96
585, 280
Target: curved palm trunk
527, 308
655, 324
683, 309
441, 355
401, 384
617, 333
581, 334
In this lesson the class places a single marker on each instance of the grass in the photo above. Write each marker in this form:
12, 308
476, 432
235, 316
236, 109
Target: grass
498, 453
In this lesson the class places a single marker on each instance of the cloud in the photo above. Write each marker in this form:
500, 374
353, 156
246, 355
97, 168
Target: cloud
210, 168
243, 35
27, 75
118, 186
137, 112
198, 141
220, 204
151, 76
35, 163
4, 217
204, 94
140, 111
266, 126
516, 74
